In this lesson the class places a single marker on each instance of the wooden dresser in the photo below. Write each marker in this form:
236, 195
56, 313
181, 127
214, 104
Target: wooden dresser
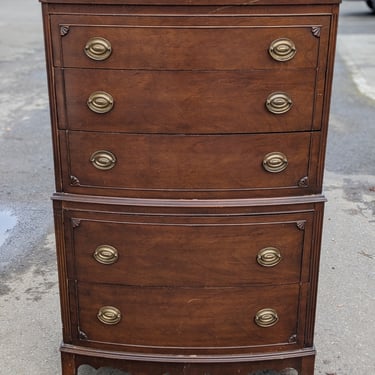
189, 140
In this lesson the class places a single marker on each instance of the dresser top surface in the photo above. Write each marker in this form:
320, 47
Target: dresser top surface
194, 2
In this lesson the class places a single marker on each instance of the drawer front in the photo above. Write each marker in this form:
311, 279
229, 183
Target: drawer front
187, 102
198, 42
193, 318
150, 165
188, 251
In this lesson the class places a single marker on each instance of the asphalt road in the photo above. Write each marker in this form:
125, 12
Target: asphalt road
29, 306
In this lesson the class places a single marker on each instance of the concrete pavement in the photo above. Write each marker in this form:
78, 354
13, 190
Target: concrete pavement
29, 305
344, 335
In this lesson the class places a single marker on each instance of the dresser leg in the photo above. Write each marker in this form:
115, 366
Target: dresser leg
307, 366
68, 364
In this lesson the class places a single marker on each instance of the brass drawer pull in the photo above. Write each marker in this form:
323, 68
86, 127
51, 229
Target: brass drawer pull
266, 318
282, 49
100, 102
103, 160
275, 162
109, 315
269, 257
98, 49
279, 103
106, 254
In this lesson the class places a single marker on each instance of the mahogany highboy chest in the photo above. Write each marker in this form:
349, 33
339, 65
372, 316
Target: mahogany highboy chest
189, 140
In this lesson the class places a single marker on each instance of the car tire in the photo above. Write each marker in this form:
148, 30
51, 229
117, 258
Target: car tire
370, 4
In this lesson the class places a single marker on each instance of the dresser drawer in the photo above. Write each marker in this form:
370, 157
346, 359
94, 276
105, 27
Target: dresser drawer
188, 102
188, 251
190, 42
189, 318
151, 165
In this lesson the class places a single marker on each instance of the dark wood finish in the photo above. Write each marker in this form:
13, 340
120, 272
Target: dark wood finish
298, 222
188, 251
298, 360
188, 318
188, 204
223, 207
188, 102
168, 42
180, 164
196, 2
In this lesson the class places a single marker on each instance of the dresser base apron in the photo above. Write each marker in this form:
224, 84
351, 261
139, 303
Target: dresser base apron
299, 362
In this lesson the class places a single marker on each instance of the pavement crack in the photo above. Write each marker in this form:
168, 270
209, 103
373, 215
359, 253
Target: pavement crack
369, 256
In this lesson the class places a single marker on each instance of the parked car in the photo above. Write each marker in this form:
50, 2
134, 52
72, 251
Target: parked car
371, 4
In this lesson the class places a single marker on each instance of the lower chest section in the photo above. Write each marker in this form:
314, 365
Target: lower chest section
187, 282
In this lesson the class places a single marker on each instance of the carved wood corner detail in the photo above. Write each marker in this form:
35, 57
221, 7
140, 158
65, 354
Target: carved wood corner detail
301, 224
316, 31
64, 30
303, 182
74, 181
292, 339
82, 335
75, 222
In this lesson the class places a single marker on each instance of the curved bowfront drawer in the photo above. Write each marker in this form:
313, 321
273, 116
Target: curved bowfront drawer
190, 318
189, 166
189, 102
188, 250
200, 42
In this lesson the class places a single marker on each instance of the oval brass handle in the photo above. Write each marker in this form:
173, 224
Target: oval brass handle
109, 315
275, 162
103, 160
279, 103
269, 257
282, 49
106, 254
98, 49
266, 318
100, 102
